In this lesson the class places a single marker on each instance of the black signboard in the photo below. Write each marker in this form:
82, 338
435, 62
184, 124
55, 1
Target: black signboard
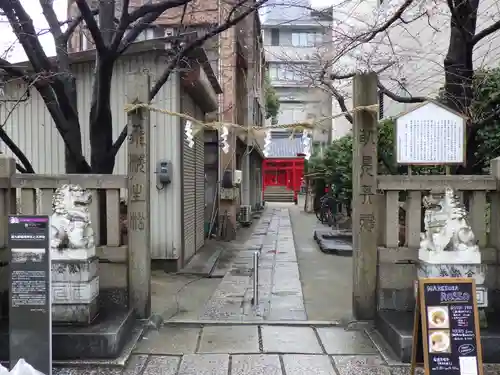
446, 333
30, 320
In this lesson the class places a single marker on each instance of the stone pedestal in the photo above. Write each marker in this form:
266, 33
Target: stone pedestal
451, 264
75, 286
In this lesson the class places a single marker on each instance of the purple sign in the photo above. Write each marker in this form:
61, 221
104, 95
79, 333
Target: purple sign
30, 315
27, 219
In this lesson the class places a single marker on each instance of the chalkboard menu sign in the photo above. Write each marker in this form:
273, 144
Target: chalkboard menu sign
30, 320
446, 333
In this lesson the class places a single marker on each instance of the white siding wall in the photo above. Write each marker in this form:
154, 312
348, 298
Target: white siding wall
31, 127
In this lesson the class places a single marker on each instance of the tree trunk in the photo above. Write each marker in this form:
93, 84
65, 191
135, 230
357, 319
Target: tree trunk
71, 166
101, 120
459, 69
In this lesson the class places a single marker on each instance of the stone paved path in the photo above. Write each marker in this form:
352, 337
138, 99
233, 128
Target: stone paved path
280, 291
254, 350
326, 279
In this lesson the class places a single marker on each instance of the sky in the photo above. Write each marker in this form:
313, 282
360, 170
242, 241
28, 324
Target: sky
16, 54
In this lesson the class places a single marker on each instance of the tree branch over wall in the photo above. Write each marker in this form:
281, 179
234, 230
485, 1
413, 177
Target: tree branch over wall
55, 82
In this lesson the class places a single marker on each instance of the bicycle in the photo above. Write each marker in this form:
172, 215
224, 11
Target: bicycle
325, 214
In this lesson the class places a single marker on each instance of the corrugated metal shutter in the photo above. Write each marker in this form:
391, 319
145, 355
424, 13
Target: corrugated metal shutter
200, 190
189, 185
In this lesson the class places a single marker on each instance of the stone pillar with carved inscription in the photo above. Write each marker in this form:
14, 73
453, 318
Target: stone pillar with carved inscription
448, 247
364, 176
75, 283
138, 210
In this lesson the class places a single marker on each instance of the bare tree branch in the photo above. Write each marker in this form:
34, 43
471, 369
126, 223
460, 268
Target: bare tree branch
12, 70
157, 7
51, 17
26, 165
228, 23
401, 99
337, 95
368, 36
22, 25
73, 24
89, 19
148, 14
485, 32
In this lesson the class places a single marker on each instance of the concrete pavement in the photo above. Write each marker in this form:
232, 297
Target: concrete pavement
280, 291
252, 349
326, 279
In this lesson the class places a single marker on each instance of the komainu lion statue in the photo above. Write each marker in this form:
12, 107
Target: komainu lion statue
70, 226
446, 225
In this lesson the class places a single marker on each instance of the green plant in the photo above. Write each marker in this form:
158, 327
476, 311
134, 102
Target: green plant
272, 101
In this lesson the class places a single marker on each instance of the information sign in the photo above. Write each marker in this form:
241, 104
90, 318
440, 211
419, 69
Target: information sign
30, 320
446, 332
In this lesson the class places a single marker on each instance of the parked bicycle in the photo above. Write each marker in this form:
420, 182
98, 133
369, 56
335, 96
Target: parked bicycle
326, 212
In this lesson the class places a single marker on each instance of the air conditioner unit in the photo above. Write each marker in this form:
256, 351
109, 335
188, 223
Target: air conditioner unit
245, 215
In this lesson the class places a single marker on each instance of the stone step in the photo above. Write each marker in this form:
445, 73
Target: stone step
203, 262
105, 338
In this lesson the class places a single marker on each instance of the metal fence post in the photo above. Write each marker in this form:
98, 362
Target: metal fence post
255, 299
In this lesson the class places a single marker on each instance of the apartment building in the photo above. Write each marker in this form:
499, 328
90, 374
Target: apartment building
237, 58
295, 40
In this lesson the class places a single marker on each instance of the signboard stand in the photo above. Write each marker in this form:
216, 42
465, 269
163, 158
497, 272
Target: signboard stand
446, 339
30, 318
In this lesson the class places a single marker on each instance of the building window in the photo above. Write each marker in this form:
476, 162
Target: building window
304, 39
288, 72
275, 37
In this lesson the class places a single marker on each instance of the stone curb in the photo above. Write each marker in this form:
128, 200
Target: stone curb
290, 323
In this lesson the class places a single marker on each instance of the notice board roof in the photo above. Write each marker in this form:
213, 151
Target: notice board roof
426, 104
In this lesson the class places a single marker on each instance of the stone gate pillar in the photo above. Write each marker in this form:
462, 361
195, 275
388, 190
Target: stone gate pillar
364, 181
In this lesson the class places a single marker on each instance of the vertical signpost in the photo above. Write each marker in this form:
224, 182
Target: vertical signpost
364, 178
30, 318
139, 252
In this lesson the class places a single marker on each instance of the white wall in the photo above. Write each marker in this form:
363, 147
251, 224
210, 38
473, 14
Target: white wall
32, 129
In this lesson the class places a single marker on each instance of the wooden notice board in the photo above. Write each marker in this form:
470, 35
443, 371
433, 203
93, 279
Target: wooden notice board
446, 337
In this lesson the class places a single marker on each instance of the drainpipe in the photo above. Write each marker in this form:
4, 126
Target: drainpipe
249, 83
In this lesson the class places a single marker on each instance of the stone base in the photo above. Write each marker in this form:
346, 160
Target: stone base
103, 339
72, 255
75, 271
80, 314
75, 286
396, 328
476, 271
71, 293
449, 257
336, 242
